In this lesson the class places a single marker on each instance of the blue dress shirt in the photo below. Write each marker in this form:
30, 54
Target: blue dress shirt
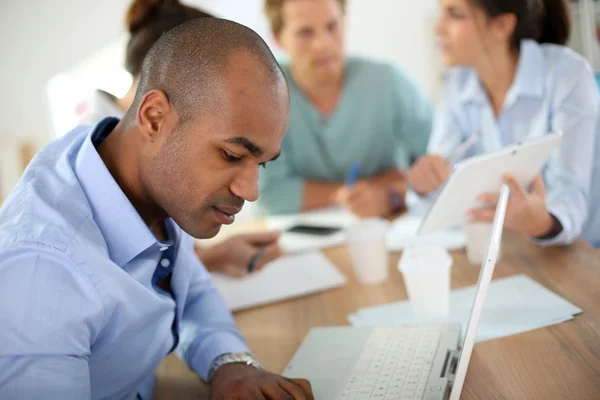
81, 313
553, 90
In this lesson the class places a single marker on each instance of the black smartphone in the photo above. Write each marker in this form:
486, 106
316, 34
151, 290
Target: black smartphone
314, 230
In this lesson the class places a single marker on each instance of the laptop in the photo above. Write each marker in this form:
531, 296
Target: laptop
396, 363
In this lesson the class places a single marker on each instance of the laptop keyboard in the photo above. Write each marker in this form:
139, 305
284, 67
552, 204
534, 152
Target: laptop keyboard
395, 364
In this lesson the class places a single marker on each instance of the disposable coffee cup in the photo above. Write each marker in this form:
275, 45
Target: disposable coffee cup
368, 250
426, 271
478, 236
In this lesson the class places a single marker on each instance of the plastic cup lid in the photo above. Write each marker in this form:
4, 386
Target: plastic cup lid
368, 229
424, 258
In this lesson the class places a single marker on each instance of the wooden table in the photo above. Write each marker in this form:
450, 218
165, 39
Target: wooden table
558, 362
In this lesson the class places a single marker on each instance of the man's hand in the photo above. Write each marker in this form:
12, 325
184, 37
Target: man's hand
365, 199
526, 212
243, 382
392, 176
429, 173
233, 256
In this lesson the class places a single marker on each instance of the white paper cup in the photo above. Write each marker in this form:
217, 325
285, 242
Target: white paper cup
368, 250
478, 239
426, 271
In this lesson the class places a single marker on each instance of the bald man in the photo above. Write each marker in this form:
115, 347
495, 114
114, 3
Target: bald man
99, 281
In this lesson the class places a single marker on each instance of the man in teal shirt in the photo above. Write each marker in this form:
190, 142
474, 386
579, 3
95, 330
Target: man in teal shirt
343, 111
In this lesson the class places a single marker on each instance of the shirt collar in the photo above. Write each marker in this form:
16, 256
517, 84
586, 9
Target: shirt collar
528, 77
472, 92
124, 231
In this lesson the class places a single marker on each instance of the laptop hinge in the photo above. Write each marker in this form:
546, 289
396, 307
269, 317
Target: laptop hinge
450, 365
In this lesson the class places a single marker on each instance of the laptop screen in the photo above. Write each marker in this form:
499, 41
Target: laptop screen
485, 277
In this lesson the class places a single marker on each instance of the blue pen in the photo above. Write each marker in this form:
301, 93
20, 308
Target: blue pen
353, 174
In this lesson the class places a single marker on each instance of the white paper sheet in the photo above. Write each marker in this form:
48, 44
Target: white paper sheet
287, 277
403, 233
513, 305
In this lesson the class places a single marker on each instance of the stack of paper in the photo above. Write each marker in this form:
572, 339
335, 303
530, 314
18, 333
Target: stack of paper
513, 305
284, 278
403, 233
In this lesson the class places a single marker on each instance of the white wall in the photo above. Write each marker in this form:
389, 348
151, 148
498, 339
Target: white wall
40, 38
399, 30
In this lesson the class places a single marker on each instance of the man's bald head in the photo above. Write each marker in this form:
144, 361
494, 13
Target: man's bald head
211, 109
188, 63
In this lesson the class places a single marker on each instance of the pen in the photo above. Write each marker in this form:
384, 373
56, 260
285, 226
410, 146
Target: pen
462, 149
254, 260
353, 174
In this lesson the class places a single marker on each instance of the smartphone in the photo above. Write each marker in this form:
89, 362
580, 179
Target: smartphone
313, 230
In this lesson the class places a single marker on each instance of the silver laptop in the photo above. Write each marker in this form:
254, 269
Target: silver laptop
396, 363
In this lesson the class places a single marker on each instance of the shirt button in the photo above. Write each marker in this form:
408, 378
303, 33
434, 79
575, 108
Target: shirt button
165, 262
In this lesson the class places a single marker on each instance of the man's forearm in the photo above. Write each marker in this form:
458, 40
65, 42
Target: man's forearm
319, 194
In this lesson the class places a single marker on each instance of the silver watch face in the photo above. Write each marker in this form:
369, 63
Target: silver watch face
231, 358
238, 357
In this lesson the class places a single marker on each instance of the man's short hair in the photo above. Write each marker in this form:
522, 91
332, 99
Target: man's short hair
274, 11
187, 63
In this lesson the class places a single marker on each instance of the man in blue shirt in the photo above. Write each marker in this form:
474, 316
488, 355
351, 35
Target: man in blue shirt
99, 277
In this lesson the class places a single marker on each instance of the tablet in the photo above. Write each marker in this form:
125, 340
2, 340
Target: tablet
483, 174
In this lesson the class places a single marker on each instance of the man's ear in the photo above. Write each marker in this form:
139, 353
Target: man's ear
152, 115
277, 37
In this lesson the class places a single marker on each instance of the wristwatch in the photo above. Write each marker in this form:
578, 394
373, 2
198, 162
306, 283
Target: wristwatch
233, 358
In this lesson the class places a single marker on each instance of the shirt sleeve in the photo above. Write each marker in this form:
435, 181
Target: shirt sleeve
414, 113
49, 314
207, 327
569, 171
446, 136
281, 190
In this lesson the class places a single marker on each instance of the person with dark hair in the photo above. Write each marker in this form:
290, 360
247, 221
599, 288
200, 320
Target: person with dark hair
345, 111
100, 279
512, 78
147, 21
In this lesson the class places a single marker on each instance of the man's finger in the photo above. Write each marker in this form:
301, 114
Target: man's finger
271, 253
359, 193
271, 390
516, 190
234, 271
301, 384
262, 238
538, 187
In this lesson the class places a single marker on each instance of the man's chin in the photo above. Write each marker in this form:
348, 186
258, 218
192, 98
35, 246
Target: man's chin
205, 232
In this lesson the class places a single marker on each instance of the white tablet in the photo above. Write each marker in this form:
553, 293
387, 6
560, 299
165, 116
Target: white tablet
483, 174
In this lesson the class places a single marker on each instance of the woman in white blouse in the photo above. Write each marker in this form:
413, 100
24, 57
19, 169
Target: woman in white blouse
511, 79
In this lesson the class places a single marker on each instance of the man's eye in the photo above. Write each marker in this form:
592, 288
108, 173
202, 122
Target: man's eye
230, 157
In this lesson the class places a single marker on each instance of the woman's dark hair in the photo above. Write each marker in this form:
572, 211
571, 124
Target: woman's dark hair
146, 21
545, 21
